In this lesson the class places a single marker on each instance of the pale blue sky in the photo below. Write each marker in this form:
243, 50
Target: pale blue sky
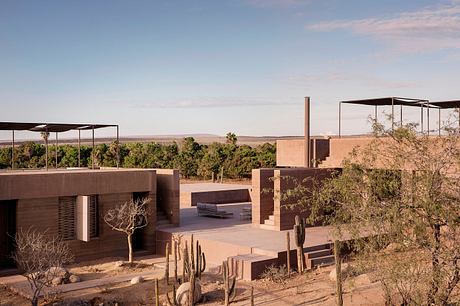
176, 67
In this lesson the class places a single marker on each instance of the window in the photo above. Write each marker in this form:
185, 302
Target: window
87, 220
66, 215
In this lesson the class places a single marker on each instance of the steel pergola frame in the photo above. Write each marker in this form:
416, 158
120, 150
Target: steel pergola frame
395, 101
58, 128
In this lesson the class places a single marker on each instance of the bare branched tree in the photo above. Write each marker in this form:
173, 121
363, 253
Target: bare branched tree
39, 257
127, 218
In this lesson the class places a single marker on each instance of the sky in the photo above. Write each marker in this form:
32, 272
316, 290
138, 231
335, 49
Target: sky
182, 67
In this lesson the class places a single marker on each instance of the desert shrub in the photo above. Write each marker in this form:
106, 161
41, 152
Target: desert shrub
276, 274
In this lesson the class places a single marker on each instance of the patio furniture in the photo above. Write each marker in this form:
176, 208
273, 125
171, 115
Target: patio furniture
210, 210
246, 213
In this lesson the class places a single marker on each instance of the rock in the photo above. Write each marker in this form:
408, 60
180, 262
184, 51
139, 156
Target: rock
74, 278
137, 280
392, 248
119, 264
362, 280
182, 293
345, 270
56, 281
58, 271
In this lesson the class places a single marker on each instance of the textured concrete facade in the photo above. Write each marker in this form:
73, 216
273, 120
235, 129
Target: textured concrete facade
36, 196
168, 193
291, 152
262, 195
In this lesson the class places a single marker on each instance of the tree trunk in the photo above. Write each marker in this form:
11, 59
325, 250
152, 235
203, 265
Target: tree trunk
436, 270
130, 249
338, 272
288, 253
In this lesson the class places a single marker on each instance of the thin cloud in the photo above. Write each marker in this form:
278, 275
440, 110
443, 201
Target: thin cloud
330, 78
429, 29
277, 3
214, 102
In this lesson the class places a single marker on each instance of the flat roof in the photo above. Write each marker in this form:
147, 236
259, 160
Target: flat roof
50, 127
387, 101
447, 104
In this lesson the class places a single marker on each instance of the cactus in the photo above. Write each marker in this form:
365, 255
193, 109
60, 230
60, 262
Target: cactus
299, 233
167, 264
172, 301
191, 292
184, 262
229, 284
157, 293
252, 296
338, 271
288, 254
175, 261
196, 263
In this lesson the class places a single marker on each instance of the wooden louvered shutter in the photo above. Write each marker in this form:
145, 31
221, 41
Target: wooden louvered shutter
66, 213
93, 217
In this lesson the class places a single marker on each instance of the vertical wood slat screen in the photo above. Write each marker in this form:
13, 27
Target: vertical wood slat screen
66, 213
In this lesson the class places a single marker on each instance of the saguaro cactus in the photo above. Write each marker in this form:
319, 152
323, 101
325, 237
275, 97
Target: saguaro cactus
299, 233
288, 253
196, 263
338, 272
167, 264
172, 301
175, 260
157, 293
252, 296
229, 284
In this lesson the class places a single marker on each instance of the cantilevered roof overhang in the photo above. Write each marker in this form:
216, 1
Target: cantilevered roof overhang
56, 128
446, 104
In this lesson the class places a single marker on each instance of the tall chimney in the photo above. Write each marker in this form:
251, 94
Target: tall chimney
307, 162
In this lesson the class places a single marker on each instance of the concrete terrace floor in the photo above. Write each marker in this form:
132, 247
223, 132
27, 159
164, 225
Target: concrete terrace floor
241, 233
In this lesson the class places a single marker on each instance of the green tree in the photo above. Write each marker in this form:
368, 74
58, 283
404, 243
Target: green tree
231, 138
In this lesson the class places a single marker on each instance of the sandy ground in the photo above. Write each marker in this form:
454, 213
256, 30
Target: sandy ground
313, 288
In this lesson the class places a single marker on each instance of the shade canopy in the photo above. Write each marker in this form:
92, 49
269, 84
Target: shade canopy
387, 101
447, 104
49, 127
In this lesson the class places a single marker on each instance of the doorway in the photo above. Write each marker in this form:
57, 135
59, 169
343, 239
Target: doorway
7, 233
139, 234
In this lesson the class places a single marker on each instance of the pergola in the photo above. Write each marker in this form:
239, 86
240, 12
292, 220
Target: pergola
57, 128
393, 101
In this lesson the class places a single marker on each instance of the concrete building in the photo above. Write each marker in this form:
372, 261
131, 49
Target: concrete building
72, 203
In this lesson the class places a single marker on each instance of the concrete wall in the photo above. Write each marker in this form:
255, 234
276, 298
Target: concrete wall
291, 153
284, 211
37, 195
168, 193
340, 148
262, 195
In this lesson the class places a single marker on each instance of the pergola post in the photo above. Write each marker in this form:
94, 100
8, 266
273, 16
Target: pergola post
392, 113
428, 119
118, 146
307, 161
421, 118
79, 149
56, 152
46, 148
375, 114
92, 150
439, 121
401, 116
340, 119
12, 151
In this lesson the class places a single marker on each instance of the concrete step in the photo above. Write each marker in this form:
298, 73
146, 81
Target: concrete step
271, 218
317, 248
320, 261
249, 266
267, 227
269, 222
319, 253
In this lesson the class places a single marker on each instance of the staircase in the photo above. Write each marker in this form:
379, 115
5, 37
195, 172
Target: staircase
269, 224
320, 255
162, 219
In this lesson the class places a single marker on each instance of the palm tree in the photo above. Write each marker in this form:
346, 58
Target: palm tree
45, 136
